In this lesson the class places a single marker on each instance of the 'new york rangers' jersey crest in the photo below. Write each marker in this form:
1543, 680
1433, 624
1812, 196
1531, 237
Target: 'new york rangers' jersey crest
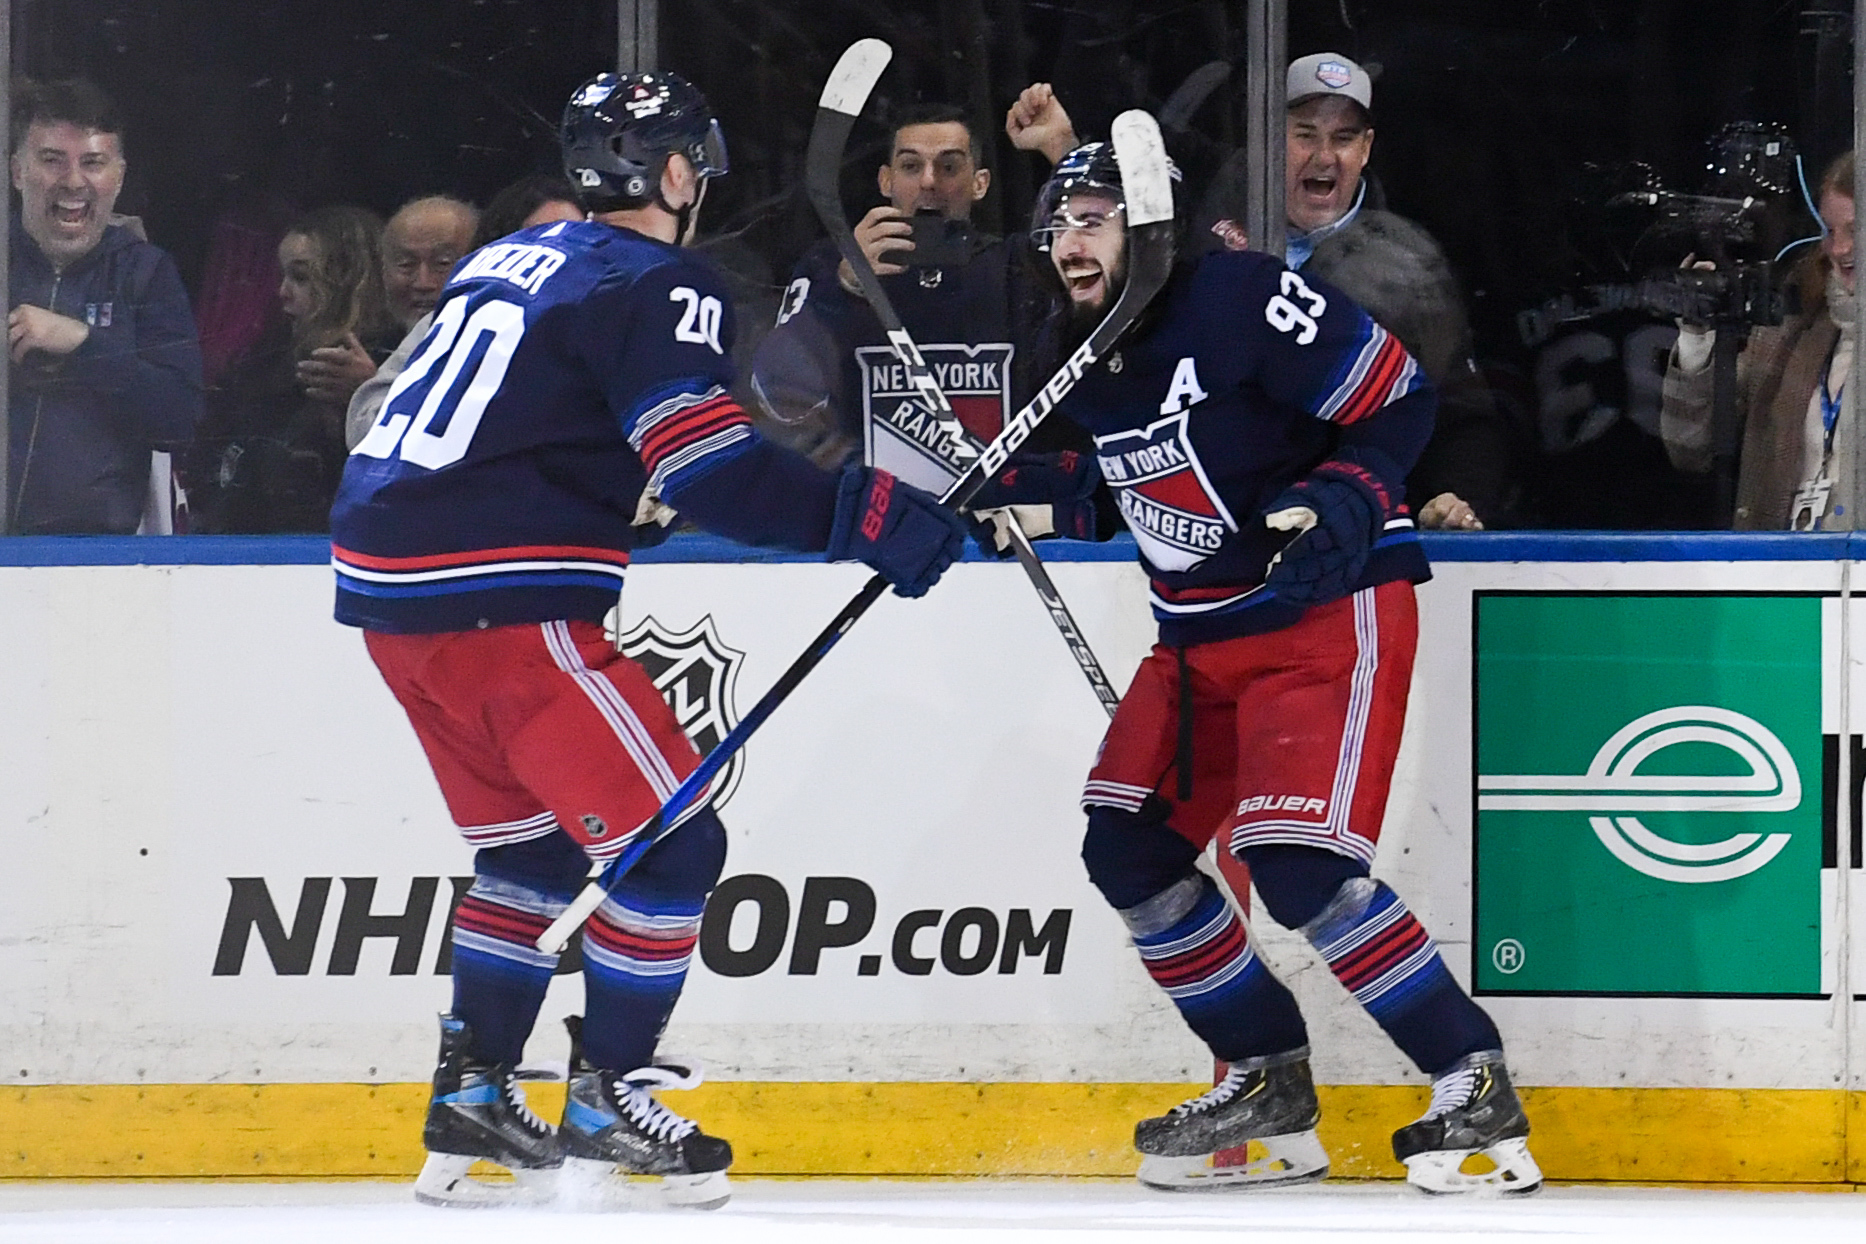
1169, 502
1251, 376
570, 369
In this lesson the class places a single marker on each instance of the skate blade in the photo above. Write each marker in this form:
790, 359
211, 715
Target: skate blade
444, 1181
591, 1185
1516, 1173
708, 1191
1297, 1158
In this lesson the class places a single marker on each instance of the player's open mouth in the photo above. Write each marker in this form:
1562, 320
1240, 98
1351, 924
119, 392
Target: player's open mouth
1318, 187
1083, 283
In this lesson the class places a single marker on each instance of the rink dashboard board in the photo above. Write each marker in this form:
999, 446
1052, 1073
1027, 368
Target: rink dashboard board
1619, 808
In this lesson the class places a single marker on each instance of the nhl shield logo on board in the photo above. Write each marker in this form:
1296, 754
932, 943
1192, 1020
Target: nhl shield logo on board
697, 674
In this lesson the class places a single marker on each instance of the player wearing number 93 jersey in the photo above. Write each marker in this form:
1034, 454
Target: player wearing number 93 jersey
576, 374
1256, 429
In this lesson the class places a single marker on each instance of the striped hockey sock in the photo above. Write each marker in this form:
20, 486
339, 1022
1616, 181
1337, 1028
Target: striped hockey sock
499, 973
1196, 948
1378, 949
635, 957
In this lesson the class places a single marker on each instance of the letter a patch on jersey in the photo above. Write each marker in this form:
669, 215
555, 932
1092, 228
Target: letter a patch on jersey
1184, 391
1170, 504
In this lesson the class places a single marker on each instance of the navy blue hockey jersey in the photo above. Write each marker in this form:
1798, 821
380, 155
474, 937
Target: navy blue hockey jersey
1249, 377
570, 368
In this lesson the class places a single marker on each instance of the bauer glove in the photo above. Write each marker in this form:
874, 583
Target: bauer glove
905, 534
1337, 512
1045, 494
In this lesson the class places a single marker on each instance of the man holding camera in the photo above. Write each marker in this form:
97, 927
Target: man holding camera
825, 375
1793, 405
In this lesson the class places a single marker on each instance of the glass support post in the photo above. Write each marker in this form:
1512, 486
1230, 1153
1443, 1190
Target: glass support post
1268, 42
638, 35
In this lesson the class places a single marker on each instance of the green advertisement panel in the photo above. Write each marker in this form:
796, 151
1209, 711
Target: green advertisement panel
1648, 802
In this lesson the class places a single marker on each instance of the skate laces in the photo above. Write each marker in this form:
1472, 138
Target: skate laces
508, 1085
1453, 1092
1217, 1095
635, 1095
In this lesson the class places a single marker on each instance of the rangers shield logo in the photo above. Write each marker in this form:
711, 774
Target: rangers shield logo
698, 676
901, 434
1170, 505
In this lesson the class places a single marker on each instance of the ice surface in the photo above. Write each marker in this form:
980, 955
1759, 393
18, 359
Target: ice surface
920, 1212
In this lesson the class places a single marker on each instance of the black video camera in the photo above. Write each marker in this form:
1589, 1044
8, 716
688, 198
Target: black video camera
1739, 289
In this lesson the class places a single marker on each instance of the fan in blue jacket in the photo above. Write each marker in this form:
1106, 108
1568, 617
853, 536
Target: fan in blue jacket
106, 366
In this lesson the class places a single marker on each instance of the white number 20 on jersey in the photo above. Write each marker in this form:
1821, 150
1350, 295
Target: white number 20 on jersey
1286, 317
453, 337
700, 325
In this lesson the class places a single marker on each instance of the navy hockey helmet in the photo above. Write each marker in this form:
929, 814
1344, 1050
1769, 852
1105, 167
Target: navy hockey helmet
1090, 169
619, 130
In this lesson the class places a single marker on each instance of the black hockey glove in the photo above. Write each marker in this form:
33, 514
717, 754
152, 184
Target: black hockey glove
1047, 494
905, 534
1337, 512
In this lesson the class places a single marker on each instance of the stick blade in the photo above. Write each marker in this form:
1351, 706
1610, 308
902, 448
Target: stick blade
855, 75
1146, 182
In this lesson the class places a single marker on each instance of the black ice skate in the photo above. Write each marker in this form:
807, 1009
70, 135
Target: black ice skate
613, 1127
1268, 1100
1474, 1110
478, 1113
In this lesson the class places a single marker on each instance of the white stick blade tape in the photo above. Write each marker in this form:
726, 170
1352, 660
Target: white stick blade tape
855, 75
557, 936
1145, 182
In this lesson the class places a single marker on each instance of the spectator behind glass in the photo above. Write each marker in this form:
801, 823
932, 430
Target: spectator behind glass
536, 200
271, 449
106, 367
1794, 404
825, 376
1386, 263
420, 246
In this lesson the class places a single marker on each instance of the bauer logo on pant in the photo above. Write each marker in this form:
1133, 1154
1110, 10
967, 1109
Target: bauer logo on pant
1644, 787
698, 675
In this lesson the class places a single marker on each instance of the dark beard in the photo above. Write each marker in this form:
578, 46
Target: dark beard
1083, 319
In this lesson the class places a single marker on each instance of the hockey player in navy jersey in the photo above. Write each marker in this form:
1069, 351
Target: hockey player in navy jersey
577, 376
1256, 429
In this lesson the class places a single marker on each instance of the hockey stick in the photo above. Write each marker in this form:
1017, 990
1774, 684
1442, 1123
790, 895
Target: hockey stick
1148, 192
849, 88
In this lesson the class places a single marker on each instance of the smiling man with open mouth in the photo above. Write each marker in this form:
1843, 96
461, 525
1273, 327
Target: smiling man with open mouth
1331, 134
105, 363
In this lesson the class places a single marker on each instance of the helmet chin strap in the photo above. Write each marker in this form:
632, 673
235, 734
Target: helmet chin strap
686, 219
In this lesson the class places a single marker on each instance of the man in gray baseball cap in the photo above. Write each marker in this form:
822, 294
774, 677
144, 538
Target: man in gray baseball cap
1331, 134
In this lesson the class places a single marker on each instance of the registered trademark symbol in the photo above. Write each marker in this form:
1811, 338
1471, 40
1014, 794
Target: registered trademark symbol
1508, 956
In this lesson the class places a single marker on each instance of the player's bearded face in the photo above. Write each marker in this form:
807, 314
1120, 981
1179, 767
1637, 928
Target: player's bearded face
1089, 251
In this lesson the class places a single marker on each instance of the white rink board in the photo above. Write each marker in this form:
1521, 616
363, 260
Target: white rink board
170, 728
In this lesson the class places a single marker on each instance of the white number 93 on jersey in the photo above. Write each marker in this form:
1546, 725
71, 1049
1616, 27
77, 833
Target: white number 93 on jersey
1286, 317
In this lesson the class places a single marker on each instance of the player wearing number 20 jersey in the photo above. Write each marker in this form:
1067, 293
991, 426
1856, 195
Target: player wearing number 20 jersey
571, 369
576, 373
